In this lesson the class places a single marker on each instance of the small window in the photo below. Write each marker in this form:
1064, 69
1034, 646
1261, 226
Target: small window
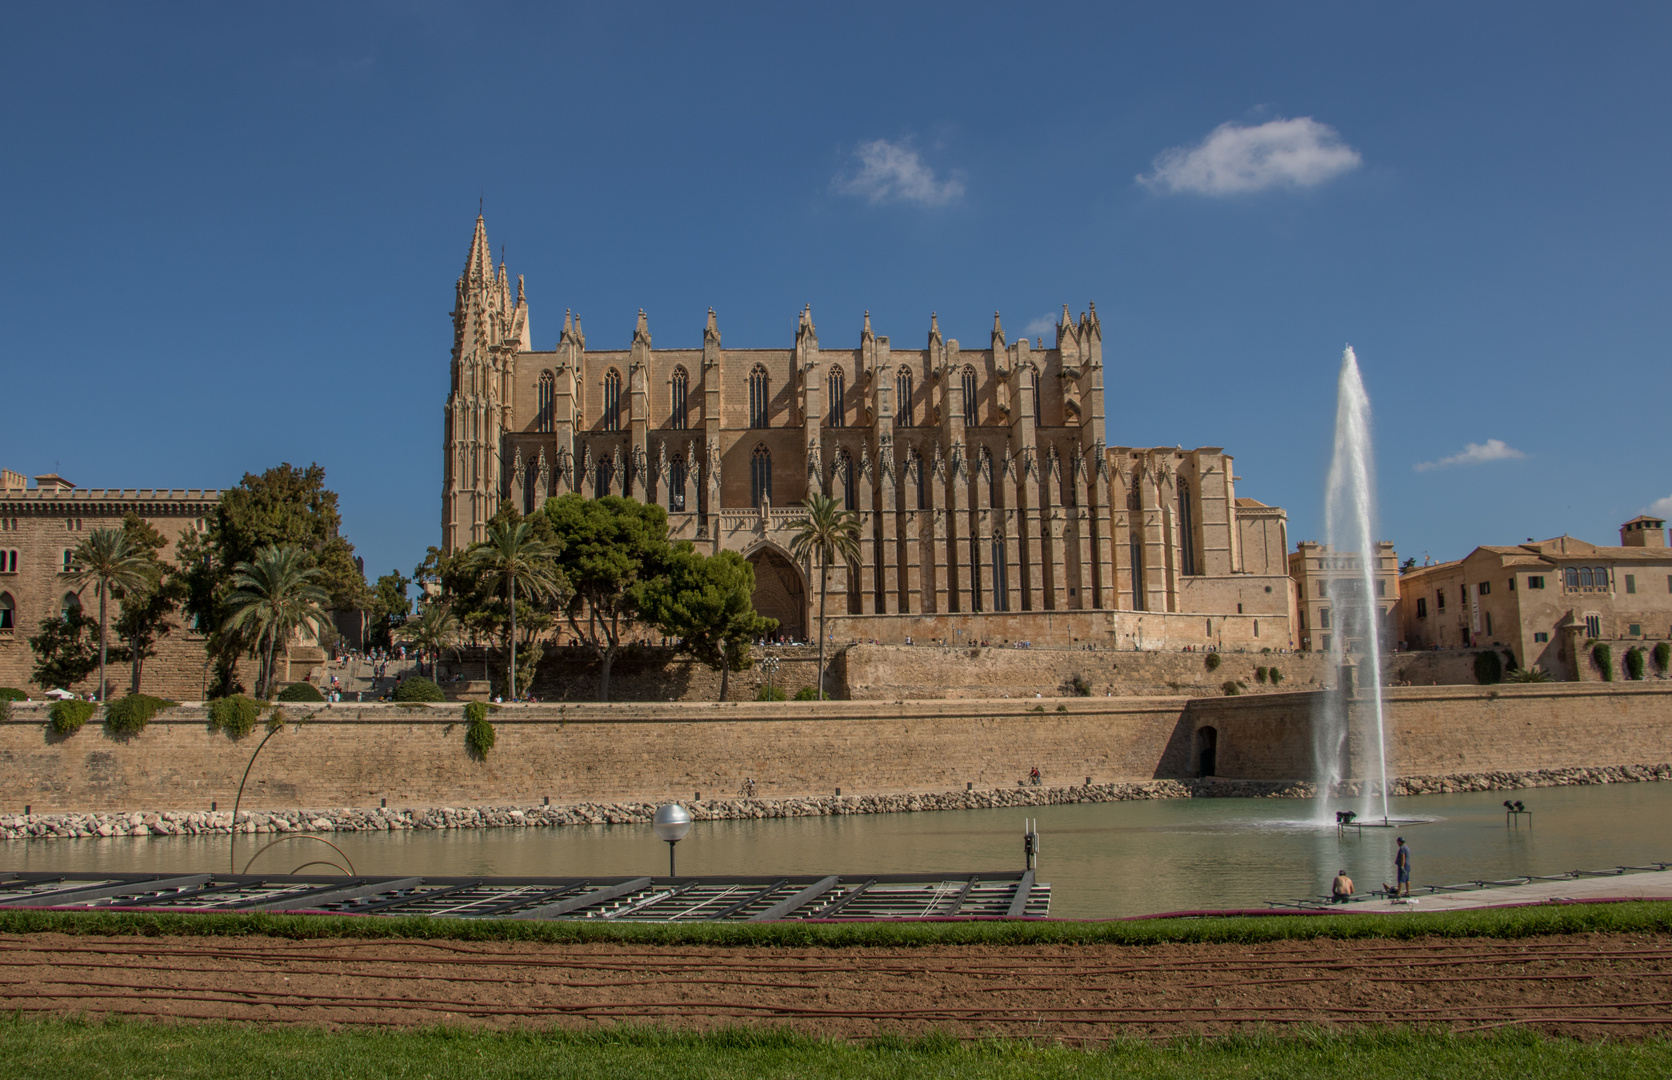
1488, 624
1323, 588
1422, 607
1440, 599
1571, 578
838, 397
1636, 629
1535, 581
1485, 588
1631, 583
1593, 626
1381, 587
1323, 618
1326, 642
612, 400
1540, 637
1512, 584
8, 562
71, 604
7, 617
69, 560
760, 396
677, 417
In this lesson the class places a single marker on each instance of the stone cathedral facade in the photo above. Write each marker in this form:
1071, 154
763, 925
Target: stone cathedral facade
991, 508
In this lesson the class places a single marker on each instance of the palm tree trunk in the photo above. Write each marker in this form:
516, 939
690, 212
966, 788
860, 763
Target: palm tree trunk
512, 675
824, 584
102, 589
272, 648
725, 672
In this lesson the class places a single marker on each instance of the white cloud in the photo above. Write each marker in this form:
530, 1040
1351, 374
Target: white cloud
1660, 508
895, 172
1044, 326
1475, 454
1235, 158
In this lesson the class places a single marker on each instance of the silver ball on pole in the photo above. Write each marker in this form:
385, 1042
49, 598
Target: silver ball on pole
672, 823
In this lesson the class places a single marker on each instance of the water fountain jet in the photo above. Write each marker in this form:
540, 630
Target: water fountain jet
1349, 512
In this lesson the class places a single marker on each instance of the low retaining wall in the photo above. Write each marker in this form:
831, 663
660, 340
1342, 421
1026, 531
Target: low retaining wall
415, 756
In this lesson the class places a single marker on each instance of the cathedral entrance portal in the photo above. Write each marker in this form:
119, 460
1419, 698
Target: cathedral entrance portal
780, 594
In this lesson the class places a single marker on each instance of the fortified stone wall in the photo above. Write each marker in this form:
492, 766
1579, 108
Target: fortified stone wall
898, 673
415, 756
655, 674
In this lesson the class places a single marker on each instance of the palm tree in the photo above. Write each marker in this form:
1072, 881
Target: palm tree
107, 560
275, 596
513, 555
831, 533
436, 629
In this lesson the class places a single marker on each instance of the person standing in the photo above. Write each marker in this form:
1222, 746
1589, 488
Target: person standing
1402, 866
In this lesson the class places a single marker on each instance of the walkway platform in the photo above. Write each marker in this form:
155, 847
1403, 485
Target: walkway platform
834, 897
1652, 882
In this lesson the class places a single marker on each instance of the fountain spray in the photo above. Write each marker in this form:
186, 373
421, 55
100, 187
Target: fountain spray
1348, 505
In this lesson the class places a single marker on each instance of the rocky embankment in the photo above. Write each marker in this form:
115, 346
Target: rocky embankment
199, 823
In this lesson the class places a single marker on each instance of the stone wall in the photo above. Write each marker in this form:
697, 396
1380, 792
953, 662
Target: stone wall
896, 673
414, 756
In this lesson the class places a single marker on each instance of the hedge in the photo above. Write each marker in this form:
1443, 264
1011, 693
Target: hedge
8, 693
1489, 667
479, 736
418, 688
301, 691
234, 715
129, 715
1603, 657
67, 717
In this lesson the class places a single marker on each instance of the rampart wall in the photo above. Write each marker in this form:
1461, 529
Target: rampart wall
358, 755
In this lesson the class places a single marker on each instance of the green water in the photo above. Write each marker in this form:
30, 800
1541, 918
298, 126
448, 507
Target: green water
1102, 860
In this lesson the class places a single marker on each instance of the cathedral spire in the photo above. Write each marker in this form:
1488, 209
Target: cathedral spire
641, 331
934, 331
479, 263
711, 331
998, 335
866, 334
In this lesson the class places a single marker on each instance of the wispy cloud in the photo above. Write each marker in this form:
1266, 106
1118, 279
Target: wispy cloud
1661, 508
1475, 454
894, 172
1237, 158
1045, 325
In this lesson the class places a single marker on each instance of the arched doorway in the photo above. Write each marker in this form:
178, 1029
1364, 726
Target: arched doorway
780, 593
1207, 751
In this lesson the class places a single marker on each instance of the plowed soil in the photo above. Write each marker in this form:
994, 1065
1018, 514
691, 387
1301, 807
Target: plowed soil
1591, 986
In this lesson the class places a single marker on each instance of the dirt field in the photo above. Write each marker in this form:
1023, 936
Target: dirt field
1592, 986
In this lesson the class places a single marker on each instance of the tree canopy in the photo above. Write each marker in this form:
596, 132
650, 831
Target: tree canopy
706, 602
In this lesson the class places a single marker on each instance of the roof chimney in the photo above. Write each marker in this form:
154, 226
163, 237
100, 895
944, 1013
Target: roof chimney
1643, 531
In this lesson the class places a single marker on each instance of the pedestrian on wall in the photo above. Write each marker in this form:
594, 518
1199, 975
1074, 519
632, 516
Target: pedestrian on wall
1402, 866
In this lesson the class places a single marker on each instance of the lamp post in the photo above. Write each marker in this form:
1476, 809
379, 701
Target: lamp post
769, 664
671, 823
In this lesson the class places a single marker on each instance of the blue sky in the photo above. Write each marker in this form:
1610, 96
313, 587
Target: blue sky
233, 231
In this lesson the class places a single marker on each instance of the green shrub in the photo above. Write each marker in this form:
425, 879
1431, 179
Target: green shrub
1603, 657
301, 691
1081, 685
1489, 667
771, 693
1663, 657
479, 736
418, 688
129, 715
1212, 661
1274, 675
1634, 663
1531, 674
1260, 675
1231, 687
234, 715
67, 717
5, 710
1039, 708
807, 693
8, 693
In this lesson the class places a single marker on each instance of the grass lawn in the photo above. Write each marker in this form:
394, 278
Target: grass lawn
1630, 917
48, 1049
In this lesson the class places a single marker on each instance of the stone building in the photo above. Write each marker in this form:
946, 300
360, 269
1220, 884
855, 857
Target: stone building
40, 526
1547, 600
1324, 577
990, 505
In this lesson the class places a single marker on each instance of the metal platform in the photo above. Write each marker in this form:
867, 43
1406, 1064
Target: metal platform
904, 897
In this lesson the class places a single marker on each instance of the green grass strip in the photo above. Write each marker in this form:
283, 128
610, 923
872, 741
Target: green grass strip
1632, 917
49, 1049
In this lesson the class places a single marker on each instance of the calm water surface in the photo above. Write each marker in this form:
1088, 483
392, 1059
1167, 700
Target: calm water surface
1102, 860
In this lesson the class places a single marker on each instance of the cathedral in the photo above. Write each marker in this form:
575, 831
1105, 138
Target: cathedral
991, 508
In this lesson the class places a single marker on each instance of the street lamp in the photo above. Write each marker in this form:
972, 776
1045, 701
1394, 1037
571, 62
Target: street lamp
672, 822
769, 664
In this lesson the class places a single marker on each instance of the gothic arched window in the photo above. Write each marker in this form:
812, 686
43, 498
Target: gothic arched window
1033, 385
759, 395
677, 417
603, 477
676, 483
760, 476
1187, 532
72, 603
548, 393
902, 390
612, 400
7, 607
969, 395
838, 398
